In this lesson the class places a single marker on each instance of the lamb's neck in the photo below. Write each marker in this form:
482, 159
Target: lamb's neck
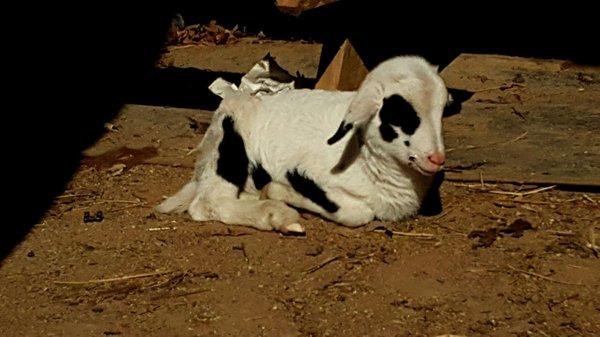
399, 188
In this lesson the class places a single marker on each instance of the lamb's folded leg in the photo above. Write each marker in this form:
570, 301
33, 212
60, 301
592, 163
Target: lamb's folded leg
218, 200
344, 209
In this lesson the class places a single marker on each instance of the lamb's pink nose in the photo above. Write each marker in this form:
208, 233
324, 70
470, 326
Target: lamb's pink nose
437, 158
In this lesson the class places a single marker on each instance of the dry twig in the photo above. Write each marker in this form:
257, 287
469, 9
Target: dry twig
114, 279
322, 264
502, 87
561, 233
543, 277
409, 234
471, 147
587, 197
522, 194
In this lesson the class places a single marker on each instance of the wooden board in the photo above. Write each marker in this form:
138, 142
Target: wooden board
542, 126
296, 7
241, 56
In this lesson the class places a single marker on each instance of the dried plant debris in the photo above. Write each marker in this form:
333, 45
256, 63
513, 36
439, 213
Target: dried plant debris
591, 238
117, 169
464, 167
161, 284
211, 34
197, 126
98, 217
381, 228
518, 78
516, 228
583, 243
521, 114
315, 250
487, 237
567, 245
585, 78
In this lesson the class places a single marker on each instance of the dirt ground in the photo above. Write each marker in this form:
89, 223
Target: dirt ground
531, 270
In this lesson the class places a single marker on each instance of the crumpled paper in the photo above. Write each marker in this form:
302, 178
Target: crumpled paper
265, 78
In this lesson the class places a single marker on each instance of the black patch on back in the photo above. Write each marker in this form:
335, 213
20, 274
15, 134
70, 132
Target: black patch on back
233, 162
310, 190
340, 133
260, 176
397, 111
407, 143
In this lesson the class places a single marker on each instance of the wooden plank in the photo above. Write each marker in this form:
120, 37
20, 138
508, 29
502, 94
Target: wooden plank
530, 121
241, 56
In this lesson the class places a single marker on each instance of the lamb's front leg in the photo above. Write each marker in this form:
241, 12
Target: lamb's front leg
338, 206
217, 200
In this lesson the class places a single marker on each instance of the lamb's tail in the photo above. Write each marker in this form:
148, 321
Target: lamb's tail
179, 202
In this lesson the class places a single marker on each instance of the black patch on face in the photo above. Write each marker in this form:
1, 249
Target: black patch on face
260, 176
233, 162
340, 133
310, 190
387, 132
397, 111
407, 143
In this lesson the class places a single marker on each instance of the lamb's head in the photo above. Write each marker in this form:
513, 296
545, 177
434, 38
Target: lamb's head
398, 112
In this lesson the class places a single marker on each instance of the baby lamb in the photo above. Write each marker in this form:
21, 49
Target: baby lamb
264, 156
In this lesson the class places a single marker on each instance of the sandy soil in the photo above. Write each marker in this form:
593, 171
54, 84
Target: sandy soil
139, 273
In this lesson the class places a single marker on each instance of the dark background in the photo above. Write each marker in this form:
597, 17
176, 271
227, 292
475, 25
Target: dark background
68, 69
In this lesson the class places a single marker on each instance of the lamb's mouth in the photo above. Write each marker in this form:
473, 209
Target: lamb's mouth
426, 170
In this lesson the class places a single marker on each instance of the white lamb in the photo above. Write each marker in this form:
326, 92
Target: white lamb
263, 154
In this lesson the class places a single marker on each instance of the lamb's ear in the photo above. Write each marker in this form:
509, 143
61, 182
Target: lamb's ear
351, 152
456, 97
363, 107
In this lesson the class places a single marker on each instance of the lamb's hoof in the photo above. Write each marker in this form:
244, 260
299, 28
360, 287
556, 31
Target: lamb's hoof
293, 229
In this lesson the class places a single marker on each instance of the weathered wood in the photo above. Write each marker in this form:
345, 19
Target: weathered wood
554, 104
241, 56
296, 7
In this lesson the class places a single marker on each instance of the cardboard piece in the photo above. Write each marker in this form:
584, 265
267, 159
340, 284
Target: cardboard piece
345, 72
